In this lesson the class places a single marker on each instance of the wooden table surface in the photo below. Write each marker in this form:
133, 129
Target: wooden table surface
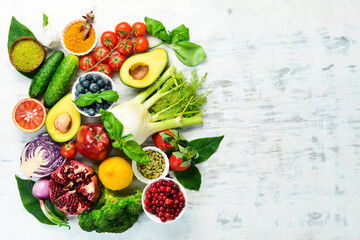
285, 82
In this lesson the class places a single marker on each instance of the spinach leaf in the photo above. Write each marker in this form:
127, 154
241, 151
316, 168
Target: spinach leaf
112, 125
190, 178
189, 53
31, 203
154, 27
135, 152
16, 31
181, 33
205, 147
164, 36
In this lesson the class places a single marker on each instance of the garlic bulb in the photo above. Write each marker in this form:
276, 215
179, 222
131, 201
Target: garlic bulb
50, 37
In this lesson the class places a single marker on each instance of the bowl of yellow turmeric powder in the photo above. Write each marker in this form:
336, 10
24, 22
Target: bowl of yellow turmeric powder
75, 41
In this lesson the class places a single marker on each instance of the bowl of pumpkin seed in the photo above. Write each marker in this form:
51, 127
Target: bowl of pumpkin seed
157, 167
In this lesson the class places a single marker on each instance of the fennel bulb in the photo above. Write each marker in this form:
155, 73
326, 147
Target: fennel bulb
170, 102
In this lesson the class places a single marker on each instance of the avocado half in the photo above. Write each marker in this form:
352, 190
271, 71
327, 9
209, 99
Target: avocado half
64, 105
141, 70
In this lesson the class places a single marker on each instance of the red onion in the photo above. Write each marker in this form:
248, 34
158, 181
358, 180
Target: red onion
41, 189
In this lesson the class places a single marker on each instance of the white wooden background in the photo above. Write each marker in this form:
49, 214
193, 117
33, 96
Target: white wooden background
286, 82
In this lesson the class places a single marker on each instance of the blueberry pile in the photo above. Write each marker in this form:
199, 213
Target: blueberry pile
92, 83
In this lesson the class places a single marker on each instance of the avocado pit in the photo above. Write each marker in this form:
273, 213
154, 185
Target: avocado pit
63, 122
139, 72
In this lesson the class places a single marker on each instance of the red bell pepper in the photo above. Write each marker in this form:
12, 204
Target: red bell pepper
93, 142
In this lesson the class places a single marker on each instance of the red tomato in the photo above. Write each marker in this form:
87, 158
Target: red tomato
104, 68
139, 29
123, 29
109, 39
102, 53
87, 62
126, 47
68, 150
141, 44
93, 142
116, 61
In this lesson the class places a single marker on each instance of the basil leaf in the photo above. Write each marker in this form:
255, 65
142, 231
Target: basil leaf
181, 33
85, 100
135, 152
190, 178
112, 125
125, 138
31, 204
16, 31
109, 95
117, 144
154, 27
189, 53
164, 36
205, 147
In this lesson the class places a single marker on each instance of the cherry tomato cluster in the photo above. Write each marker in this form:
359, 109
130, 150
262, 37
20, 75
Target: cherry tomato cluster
116, 46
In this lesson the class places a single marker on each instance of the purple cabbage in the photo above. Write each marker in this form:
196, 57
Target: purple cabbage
41, 157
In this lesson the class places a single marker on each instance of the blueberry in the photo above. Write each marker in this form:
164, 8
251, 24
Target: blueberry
96, 77
78, 94
94, 87
107, 87
102, 89
100, 82
107, 82
97, 106
91, 111
88, 77
82, 79
80, 88
87, 91
86, 84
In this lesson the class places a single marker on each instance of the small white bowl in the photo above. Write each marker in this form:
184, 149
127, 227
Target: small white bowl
154, 217
73, 90
63, 35
139, 174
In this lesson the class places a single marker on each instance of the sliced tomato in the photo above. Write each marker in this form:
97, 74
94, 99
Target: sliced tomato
29, 115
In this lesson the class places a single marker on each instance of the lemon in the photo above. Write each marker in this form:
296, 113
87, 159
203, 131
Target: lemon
115, 173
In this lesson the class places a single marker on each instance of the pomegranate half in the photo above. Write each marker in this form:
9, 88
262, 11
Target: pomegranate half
74, 187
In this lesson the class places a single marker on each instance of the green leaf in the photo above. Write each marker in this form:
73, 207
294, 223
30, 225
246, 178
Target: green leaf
135, 152
190, 178
189, 53
178, 154
182, 149
167, 137
181, 33
31, 204
164, 36
45, 20
86, 100
186, 163
205, 147
117, 144
112, 125
154, 27
109, 95
53, 209
16, 31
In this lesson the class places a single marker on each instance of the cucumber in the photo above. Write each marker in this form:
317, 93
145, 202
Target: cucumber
42, 78
61, 80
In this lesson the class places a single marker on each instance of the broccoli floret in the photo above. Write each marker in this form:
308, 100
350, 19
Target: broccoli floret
112, 213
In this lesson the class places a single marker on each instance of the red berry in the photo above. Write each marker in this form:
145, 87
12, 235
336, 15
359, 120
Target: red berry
146, 201
167, 215
168, 201
168, 189
162, 188
163, 219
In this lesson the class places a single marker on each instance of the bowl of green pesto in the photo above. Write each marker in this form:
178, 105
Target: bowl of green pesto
27, 54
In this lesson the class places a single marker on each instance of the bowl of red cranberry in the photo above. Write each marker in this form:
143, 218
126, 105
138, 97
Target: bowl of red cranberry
164, 200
